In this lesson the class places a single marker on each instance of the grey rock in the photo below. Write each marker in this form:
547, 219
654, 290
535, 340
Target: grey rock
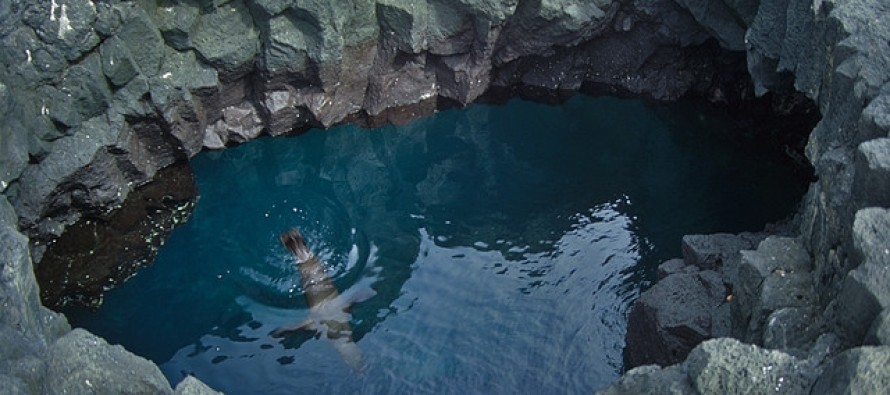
8, 216
25, 326
863, 370
406, 86
651, 379
864, 294
405, 23
875, 120
117, 63
81, 362
779, 290
226, 37
39, 189
192, 386
182, 70
18, 288
141, 37
790, 329
22, 358
131, 99
212, 139
238, 125
871, 185
108, 19
771, 277
722, 20
282, 113
30, 60
175, 22
19, 297
716, 251
59, 106
675, 315
291, 44
727, 366
67, 25
537, 28
879, 333
674, 266
871, 235
13, 155
825, 346
764, 42
87, 87
15, 386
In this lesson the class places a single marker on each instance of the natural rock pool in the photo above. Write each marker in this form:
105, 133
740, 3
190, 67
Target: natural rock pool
505, 243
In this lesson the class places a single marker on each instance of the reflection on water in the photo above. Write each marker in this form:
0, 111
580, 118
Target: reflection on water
505, 245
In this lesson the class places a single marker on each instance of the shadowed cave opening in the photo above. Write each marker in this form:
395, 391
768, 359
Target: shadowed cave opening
501, 240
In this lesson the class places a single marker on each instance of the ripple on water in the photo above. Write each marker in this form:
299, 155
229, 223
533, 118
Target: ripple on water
504, 258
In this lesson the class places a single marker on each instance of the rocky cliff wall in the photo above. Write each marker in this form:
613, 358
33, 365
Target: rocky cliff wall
819, 298
97, 97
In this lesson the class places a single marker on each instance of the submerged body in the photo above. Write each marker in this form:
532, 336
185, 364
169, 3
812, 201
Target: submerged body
328, 309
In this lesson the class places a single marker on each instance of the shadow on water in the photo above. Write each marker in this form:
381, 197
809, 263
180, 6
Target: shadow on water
505, 243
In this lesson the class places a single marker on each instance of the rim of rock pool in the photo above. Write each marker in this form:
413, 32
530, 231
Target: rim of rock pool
167, 209
103, 250
831, 53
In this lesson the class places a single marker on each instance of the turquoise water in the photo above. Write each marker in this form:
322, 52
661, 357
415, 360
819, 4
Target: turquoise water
505, 244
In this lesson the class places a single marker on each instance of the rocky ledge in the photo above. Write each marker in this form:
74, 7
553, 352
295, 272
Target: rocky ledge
98, 97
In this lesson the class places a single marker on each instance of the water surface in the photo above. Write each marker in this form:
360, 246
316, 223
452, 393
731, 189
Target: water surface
505, 244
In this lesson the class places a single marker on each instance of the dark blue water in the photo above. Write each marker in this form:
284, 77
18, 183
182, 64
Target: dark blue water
505, 244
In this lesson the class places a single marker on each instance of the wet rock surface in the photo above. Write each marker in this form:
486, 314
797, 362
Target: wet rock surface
96, 98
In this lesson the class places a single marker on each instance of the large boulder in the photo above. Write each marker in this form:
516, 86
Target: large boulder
26, 327
226, 38
674, 316
81, 362
863, 370
719, 251
866, 291
65, 25
774, 276
871, 185
879, 333
727, 366
192, 386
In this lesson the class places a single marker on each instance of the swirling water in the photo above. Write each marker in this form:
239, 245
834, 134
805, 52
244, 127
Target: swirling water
505, 243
